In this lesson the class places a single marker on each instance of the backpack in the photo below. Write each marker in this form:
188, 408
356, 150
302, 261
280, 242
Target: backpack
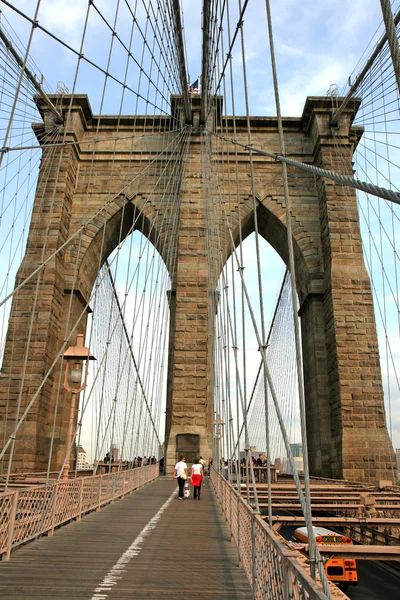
186, 490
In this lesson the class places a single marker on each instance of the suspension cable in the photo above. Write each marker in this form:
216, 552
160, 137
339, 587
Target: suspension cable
369, 188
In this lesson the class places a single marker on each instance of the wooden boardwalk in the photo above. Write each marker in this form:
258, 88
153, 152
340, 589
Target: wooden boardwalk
148, 545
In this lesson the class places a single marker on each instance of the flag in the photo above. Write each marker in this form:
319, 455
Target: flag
194, 87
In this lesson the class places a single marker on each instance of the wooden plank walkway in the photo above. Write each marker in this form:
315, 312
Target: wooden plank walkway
184, 551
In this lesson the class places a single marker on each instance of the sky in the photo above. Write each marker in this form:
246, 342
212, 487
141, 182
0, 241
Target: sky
316, 45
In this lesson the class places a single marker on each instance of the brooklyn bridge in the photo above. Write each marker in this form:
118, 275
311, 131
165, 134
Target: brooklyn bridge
186, 282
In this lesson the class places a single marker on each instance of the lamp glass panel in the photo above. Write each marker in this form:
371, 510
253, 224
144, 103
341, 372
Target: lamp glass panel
76, 375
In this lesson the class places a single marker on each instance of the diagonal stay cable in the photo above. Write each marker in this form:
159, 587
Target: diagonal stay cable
354, 88
239, 25
370, 188
94, 140
36, 24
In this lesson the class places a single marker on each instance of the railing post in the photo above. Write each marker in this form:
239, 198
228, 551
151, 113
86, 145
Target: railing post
286, 583
230, 508
113, 487
231, 496
11, 525
99, 502
254, 554
238, 526
78, 518
50, 533
226, 491
132, 479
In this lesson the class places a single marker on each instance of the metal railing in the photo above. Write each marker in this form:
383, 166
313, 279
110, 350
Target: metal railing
27, 513
272, 569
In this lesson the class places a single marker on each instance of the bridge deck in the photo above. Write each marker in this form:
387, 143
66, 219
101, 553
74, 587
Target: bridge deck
184, 552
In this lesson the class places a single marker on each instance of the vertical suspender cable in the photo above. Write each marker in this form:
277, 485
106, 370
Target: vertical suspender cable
260, 288
234, 335
205, 74
392, 38
181, 54
307, 516
78, 64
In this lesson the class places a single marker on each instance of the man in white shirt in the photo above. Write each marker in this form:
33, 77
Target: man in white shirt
180, 472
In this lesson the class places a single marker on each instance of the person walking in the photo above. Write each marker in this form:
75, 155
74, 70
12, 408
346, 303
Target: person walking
181, 473
106, 461
196, 477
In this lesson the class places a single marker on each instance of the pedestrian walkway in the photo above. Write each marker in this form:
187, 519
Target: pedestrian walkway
149, 545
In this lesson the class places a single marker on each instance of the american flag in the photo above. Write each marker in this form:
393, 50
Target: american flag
194, 87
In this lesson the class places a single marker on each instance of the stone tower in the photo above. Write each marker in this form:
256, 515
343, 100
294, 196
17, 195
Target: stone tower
347, 436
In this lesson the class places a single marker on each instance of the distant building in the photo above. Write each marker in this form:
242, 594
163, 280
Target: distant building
298, 461
114, 453
81, 460
398, 460
297, 450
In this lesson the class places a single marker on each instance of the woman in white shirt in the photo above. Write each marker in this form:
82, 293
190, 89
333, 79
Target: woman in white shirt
180, 472
196, 477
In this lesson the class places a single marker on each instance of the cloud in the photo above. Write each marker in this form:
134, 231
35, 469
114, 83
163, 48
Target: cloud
67, 16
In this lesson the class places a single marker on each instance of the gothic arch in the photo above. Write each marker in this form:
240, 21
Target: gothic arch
271, 216
124, 217
328, 254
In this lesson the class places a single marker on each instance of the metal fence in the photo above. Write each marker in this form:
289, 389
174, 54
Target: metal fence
273, 571
27, 513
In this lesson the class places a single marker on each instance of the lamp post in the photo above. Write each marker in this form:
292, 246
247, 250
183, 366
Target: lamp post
219, 434
74, 357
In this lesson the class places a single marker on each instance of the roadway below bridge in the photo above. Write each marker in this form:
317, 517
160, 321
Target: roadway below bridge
376, 580
344, 507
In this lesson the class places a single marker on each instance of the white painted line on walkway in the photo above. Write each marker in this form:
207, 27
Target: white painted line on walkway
115, 574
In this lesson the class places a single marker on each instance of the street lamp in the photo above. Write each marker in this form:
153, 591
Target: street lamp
74, 356
219, 434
